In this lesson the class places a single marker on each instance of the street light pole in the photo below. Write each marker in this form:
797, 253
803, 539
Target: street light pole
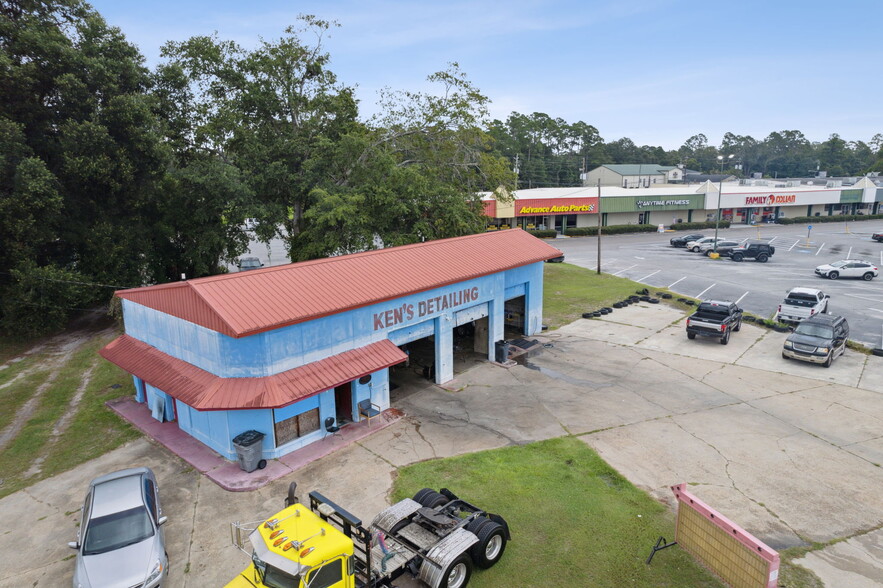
720, 190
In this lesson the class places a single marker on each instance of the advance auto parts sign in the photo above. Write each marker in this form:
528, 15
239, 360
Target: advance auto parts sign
770, 200
563, 209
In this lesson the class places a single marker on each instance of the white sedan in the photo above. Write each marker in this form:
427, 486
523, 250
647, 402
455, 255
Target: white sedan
695, 245
848, 268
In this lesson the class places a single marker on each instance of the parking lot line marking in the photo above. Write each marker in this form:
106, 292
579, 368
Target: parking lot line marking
793, 246
741, 297
706, 290
875, 309
822, 246
648, 275
673, 283
625, 270
849, 255
771, 240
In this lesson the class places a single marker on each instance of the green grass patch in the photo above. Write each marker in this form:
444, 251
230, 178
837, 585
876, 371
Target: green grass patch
575, 521
16, 394
93, 430
569, 291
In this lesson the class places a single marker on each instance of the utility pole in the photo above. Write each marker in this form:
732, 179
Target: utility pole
599, 227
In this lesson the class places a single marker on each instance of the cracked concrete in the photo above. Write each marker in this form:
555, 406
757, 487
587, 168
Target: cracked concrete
791, 452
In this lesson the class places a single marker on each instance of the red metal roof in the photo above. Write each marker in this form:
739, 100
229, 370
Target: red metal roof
260, 300
205, 391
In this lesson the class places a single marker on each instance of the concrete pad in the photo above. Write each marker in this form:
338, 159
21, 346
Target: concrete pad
766, 355
606, 330
872, 373
743, 383
856, 562
690, 367
674, 340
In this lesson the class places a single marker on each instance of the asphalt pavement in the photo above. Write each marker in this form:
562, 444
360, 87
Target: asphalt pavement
791, 452
759, 288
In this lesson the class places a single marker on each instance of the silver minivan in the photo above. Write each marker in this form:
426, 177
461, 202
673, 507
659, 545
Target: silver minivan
120, 543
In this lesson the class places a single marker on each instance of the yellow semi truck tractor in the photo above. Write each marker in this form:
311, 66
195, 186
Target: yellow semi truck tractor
435, 537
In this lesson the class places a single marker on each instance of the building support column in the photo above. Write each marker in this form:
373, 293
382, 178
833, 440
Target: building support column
444, 349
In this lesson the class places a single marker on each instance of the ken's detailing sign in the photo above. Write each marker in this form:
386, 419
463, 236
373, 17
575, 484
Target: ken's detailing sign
652, 203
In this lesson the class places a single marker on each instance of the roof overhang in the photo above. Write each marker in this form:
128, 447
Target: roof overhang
203, 390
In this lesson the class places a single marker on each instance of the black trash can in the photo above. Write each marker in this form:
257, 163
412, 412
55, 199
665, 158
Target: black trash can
248, 448
502, 351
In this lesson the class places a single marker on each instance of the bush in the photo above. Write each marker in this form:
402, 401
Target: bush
838, 218
544, 234
42, 299
723, 224
609, 230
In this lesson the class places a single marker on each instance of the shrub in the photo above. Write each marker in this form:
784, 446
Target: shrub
838, 218
723, 224
609, 230
544, 234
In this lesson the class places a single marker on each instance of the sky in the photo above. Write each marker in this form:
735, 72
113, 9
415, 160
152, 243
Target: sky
655, 71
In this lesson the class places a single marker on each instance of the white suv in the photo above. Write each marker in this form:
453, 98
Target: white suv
695, 245
848, 268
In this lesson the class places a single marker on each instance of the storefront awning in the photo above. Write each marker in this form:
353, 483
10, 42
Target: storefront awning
202, 390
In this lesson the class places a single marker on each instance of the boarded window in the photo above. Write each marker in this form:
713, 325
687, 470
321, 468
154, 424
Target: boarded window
297, 426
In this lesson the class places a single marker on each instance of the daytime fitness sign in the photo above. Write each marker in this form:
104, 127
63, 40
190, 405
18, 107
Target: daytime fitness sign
652, 203
409, 311
770, 200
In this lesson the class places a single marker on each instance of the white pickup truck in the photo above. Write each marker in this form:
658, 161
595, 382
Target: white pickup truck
801, 303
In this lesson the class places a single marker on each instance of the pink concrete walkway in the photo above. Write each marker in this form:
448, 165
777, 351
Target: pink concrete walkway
227, 474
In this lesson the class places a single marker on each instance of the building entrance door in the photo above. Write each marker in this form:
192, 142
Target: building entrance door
343, 403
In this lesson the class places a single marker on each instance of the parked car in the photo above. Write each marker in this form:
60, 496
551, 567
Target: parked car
848, 268
695, 245
818, 339
559, 259
682, 241
249, 263
757, 251
120, 542
802, 303
877, 237
714, 318
708, 248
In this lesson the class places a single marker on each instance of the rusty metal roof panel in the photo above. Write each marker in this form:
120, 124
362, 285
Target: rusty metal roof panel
251, 302
205, 391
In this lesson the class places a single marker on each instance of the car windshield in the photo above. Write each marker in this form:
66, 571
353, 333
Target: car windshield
249, 263
812, 330
274, 577
838, 264
117, 530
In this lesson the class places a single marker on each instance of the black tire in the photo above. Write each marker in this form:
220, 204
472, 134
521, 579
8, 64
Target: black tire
726, 338
617, 305
695, 249
660, 294
603, 311
736, 257
588, 314
262, 464
433, 500
458, 573
667, 296
868, 277
690, 302
596, 314
830, 359
691, 336
645, 299
418, 497
491, 545
749, 318
654, 301
833, 275
738, 326
608, 309
682, 299
762, 258
878, 352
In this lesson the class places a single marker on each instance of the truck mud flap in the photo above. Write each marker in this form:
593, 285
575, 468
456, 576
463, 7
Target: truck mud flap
390, 517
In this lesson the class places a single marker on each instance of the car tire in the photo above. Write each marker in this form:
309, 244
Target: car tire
588, 314
691, 336
738, 325
785, 356
667, 296
830, 359
653, 301
878, 352
737, 257
695, 250
726, 338
868, 277
833, 275
762, 258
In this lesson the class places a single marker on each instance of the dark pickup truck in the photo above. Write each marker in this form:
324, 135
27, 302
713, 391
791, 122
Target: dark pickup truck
715, 318
877, 237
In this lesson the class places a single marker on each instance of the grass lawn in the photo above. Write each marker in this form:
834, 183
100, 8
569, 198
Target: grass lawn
569, 291
574, 520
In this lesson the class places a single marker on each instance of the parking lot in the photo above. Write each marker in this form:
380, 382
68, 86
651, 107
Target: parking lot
759, 288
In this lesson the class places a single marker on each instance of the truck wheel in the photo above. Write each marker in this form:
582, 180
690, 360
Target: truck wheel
738, 325
491, 544
433, 499
418, 497
691, 335
736, 257
834, 275
726, 338
868, 277
458, 573
830, 359
762, 258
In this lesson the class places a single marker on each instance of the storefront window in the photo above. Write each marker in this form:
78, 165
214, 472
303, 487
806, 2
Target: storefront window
296, 426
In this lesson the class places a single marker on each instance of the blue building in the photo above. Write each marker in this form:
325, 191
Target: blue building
285, 350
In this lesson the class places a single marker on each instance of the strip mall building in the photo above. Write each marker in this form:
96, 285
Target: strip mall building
740, 202
281, 349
